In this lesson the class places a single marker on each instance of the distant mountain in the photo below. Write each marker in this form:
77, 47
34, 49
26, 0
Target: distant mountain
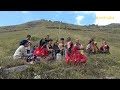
53, 25
39, 23
114, 25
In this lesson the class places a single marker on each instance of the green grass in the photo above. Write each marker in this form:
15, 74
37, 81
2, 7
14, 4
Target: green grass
98, 66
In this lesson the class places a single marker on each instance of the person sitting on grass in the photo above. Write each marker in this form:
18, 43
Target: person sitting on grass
67, 44
62, 46
50, 50
96, 49
29, 48
73, 56
21, 52
78, 45
41, 49
49, 46
104, 48
90, 47
56, 49
47, 39
42, 43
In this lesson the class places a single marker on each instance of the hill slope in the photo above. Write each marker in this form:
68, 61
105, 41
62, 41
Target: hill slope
39, 23
98, 66
54, 25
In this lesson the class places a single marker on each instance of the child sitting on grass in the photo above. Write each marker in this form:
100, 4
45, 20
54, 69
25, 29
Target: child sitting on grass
56, 48
50, 50
29, 48
96, 49
61, 46
105, 47
90, 47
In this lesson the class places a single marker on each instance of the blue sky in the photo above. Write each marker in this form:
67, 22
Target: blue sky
73, 17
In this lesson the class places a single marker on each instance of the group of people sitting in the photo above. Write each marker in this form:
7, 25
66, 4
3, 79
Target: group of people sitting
92, 47
72, 53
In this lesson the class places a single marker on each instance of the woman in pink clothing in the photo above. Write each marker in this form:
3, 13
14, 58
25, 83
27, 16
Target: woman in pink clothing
73, 55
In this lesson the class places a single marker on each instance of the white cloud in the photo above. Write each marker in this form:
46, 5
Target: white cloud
102, 17
24, 12
79, 19
107, 17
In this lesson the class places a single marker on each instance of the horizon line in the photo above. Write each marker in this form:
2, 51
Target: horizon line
54, 21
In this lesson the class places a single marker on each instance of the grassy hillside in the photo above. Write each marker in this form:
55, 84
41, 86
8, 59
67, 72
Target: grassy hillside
98, 66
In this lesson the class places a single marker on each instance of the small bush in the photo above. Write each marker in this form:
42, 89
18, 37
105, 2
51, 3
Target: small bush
35, 38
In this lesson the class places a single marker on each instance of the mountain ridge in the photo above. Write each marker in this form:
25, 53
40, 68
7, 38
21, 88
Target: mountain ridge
53, 25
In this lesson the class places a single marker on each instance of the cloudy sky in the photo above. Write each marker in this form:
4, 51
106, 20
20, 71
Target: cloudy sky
73, 17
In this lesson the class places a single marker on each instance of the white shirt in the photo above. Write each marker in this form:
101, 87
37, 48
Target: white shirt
88, 46
80, 46
28, 48
20, 52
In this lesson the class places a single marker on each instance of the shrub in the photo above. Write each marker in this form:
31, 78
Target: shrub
35, 38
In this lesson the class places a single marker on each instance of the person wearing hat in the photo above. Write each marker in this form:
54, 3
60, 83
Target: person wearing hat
21, 52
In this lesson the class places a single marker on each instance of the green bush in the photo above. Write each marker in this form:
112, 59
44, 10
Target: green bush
35, 37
